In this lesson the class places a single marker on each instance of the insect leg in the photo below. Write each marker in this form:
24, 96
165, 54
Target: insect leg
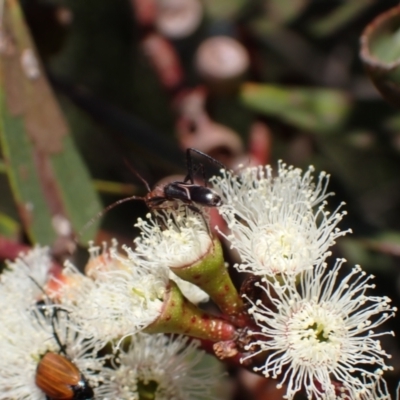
56, 337
201, 213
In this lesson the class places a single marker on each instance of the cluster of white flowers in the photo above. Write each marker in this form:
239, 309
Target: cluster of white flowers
31, 326
316, 332
170, 369
314, 328
76, 316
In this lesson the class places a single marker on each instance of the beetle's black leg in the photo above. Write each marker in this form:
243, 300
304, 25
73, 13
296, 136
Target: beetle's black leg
200, 212
195, 209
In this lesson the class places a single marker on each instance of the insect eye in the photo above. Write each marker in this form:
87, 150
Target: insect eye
217, 200
214, 199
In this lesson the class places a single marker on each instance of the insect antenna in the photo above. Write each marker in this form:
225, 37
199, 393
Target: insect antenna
127, 163
105, 210
118, 202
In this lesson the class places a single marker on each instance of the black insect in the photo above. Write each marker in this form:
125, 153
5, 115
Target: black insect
187, 191
58, 377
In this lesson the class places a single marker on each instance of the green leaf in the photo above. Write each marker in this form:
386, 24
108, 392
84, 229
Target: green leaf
386, 243
315, 110
8, 227
357, 251
338, 18
223, 9
118, 188
24, 181
79, 198
48, 179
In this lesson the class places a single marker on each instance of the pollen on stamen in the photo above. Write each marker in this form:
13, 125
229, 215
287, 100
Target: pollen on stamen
279, 224
321, 331
172, 364
183, 239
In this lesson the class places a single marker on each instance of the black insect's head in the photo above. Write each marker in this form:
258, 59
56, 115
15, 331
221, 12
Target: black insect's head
213, 199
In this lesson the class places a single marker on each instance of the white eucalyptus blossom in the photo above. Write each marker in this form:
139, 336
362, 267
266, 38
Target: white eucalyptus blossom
26, 339
379, 391
173, 238
166, 367
320, 330
26, 276
278, 224
118, 302
102, 258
